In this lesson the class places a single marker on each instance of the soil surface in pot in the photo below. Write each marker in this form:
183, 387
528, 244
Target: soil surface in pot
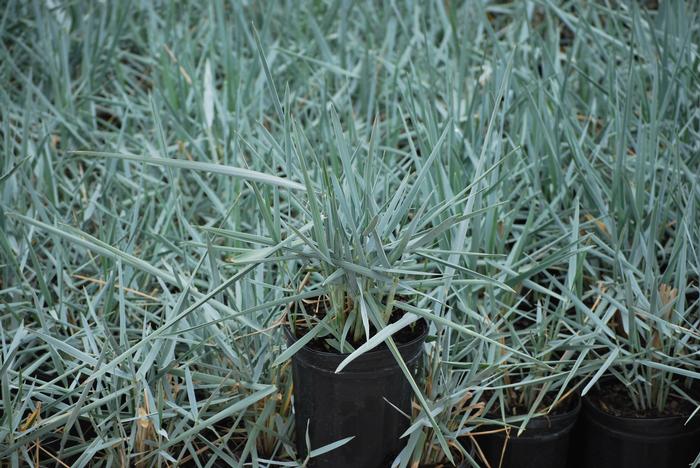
614, 399
318, 309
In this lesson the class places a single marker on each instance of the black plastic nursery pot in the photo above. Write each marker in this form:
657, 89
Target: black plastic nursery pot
544, 444
359, 401
608, 441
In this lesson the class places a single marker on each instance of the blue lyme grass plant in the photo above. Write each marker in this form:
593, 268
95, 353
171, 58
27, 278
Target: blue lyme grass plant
178, 182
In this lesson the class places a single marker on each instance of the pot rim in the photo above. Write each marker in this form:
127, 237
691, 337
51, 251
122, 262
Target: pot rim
558, 417
291, 338
546, 423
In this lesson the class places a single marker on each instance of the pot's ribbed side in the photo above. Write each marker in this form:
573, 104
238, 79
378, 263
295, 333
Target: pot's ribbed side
608, 441
544, 444
365, 401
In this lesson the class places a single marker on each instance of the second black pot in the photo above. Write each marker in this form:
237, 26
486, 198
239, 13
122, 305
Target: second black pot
544, 444
355, 402
607, 441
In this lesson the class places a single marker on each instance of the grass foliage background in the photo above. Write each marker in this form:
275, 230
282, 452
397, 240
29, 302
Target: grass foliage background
140, 302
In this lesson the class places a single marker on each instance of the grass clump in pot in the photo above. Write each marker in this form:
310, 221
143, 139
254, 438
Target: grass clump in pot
359, 256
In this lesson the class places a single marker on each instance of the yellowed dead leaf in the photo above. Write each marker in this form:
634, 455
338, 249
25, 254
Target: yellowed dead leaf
667, 294
598, 223
143, 418
32, 418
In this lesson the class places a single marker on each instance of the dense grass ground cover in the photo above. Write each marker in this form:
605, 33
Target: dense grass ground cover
546, 157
